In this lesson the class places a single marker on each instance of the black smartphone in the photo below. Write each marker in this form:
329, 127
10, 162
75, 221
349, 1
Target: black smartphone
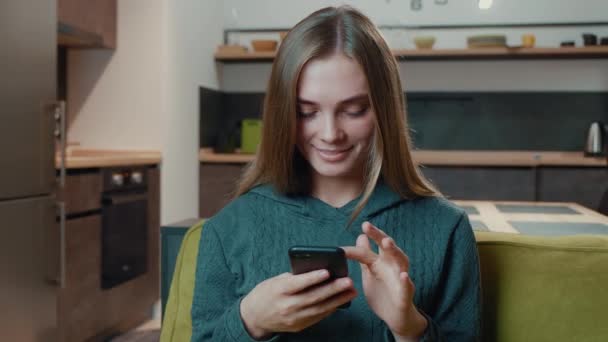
304, 259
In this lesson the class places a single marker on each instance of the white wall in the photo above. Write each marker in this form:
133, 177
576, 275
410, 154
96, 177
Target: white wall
195, 30
144, 94
280, 13
521, 75
115, 97
511, 75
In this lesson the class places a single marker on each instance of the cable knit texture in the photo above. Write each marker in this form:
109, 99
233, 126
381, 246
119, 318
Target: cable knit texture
247, 242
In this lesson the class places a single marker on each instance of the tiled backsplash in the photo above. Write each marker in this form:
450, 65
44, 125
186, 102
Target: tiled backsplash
552, 121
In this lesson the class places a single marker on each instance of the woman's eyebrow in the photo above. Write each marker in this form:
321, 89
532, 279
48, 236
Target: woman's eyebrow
355, 98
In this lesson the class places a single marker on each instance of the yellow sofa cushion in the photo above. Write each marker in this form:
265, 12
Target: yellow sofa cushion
538, 288
177, 321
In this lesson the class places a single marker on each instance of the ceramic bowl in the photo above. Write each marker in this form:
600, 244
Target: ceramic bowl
424, 42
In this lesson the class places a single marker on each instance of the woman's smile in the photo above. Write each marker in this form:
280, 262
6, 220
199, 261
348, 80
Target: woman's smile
333, 155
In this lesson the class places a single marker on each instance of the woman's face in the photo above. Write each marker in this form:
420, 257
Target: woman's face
335, 119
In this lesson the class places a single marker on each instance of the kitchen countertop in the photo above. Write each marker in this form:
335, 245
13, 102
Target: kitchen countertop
457, 158
89, 158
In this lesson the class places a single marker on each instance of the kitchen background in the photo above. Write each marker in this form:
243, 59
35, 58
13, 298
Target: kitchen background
148, 79
147, 91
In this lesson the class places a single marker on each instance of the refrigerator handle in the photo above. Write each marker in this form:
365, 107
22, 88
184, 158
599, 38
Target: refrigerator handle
62, 245
61, 136
60, 278
56, 272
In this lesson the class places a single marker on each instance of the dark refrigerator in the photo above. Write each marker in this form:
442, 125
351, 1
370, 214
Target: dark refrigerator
30, 264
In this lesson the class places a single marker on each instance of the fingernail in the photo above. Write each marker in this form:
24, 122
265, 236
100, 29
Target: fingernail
344, 282
322, 273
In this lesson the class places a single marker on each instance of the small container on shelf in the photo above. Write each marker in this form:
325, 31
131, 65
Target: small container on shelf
231, 49
251, 134
487, 41
528, 40
589, 39
424, 42
567, 43
264, 45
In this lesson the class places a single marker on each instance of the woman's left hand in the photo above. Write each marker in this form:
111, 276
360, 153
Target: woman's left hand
388, 288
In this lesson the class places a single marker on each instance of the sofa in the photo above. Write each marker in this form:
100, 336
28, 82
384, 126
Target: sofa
534, 288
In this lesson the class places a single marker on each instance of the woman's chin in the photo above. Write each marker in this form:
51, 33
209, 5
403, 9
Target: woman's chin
333, 170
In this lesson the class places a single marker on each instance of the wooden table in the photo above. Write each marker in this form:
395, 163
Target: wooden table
534, 218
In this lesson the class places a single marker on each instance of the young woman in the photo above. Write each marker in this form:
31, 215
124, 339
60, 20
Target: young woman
335, 156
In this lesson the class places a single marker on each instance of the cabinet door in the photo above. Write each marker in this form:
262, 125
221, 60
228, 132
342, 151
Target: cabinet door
483, 183
27, 89
217, 186
28, 259
584, 186
80, 300
96, 17
82, 191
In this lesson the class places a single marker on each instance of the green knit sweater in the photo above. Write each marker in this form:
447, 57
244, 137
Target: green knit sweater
247, 242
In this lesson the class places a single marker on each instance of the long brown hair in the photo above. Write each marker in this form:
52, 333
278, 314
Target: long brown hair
321, 34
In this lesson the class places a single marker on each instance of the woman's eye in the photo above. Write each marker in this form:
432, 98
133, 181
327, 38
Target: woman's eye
357, 111
305, 114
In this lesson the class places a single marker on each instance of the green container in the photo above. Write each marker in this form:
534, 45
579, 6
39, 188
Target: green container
251, 134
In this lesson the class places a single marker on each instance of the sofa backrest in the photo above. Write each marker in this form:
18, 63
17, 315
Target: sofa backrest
544, 288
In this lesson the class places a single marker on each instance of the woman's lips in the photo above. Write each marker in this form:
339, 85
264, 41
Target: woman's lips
333, 155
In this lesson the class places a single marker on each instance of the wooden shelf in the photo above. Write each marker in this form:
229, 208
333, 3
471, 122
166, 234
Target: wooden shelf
431, 54
244, 56
456, 158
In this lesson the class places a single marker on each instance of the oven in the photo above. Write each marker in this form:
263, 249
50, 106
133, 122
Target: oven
124, 225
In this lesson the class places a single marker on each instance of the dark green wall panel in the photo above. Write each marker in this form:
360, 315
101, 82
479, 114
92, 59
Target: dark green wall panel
552, 121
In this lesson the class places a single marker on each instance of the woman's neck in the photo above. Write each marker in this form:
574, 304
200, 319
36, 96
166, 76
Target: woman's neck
336, 191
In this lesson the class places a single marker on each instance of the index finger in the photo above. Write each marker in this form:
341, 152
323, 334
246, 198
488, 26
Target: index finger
374, 233
298, 282
360, 254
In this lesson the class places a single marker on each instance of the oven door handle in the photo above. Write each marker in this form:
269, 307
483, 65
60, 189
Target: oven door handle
123, 198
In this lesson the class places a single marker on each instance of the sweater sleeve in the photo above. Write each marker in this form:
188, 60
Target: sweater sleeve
215, 305
456, 316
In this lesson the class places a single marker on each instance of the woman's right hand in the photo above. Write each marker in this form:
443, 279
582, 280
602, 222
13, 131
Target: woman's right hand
291, 303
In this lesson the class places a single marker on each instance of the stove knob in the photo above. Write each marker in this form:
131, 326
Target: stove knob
137, 177
117, 179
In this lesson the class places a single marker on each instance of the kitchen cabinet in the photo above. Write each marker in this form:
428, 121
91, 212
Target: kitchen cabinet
81, 192
90, 23
217, 185
483, 183
582, 185
85, 310
79, 300
585, 186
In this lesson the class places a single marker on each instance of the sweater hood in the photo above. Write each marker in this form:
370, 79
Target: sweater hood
382, 198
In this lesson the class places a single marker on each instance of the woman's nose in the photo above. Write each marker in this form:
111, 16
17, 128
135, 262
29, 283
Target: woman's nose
331, 131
